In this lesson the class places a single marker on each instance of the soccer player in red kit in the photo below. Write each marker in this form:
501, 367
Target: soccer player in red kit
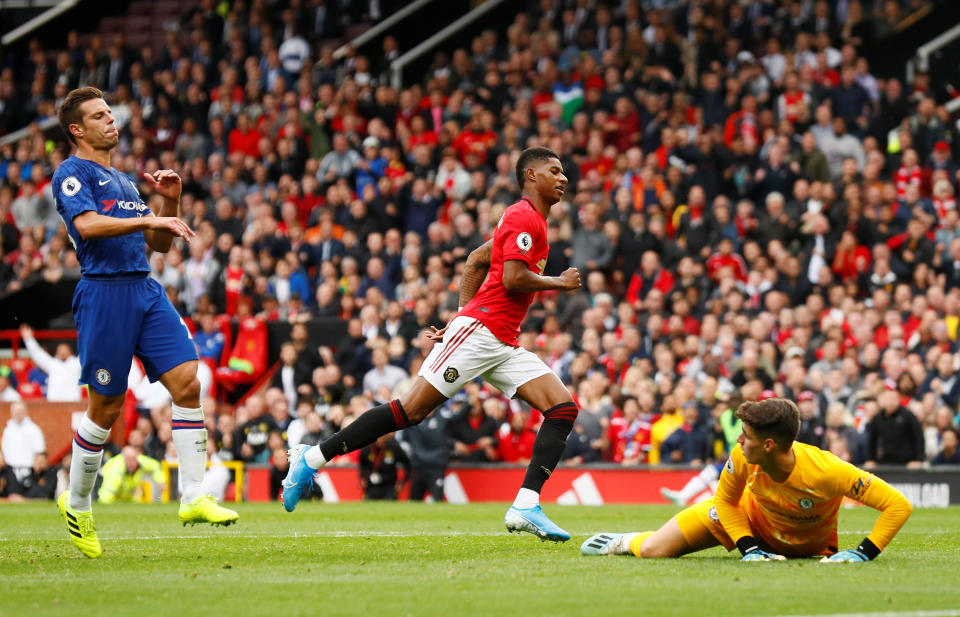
481, 341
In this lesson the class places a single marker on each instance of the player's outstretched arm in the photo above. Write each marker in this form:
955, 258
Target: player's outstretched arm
871, 491
517, 278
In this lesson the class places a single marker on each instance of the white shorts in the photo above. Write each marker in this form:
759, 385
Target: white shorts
469, 350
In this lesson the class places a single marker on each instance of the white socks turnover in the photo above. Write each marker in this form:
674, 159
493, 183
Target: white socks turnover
526, 499
190, 440
85, 462
314, 457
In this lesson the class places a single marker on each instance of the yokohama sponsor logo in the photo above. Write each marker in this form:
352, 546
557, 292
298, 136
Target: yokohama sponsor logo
110, 204
139, 206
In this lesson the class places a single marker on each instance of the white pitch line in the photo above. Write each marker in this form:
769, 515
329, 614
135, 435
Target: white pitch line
320, 534
359, 534
317, 534
944, 613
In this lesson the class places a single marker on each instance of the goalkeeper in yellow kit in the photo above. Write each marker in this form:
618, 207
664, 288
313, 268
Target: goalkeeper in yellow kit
776, 499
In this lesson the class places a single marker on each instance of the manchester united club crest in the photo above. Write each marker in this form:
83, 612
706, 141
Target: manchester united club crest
451, 374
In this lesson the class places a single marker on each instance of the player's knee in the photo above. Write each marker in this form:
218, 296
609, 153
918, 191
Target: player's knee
188, 392
417, 413
104, 410
651, 549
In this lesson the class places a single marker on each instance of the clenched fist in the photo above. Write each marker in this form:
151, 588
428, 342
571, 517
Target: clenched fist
570, 279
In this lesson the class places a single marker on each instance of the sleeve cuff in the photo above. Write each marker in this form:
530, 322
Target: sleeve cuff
869, 549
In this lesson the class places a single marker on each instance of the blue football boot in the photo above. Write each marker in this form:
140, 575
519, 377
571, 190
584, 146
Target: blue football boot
533, 520
299, 477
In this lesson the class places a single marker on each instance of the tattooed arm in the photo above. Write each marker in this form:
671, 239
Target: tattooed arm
478, 264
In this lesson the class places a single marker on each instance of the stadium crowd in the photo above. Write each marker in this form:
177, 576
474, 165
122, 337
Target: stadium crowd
753, 212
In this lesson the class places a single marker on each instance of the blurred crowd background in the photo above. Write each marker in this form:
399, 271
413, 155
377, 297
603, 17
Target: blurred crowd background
753, 211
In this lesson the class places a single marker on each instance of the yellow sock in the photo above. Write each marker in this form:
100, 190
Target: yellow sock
637, 541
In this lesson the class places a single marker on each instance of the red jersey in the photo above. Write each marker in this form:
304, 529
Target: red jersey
718, 261
233, 287
513, 447
906, 176
521, 234
247, 143
479, 142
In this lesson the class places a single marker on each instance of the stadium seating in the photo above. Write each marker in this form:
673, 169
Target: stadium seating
248, 357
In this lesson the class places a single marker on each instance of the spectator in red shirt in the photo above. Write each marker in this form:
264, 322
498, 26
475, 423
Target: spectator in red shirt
908, 173
228, 88
624, 125
651, 275
794, 104
726, 258
617, 363
851, 259
419, 134
596, 160
630, 433
475, 138
433, 112
542, 99
244, 139
913, 247
515, 443
744, 123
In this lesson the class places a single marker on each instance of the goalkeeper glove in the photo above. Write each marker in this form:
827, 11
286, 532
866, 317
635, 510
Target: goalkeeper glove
849, 556
865, 552
752, 552
758, 554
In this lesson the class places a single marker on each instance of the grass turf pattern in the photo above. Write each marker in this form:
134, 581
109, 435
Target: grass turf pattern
416, 559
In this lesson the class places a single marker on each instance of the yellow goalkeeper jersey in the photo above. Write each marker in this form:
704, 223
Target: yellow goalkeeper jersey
799, 516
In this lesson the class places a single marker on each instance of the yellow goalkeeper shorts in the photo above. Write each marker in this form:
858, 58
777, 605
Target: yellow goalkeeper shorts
700, 522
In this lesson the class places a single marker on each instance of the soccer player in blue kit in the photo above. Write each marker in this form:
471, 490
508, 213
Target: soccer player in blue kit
121, 312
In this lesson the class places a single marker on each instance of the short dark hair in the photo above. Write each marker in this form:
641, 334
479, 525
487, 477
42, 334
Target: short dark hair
776, 418
530, 156
69, 112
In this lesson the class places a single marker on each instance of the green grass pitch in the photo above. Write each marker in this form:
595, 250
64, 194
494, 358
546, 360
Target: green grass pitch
396, 559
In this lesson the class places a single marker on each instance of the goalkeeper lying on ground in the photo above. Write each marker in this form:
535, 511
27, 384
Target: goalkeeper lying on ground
789, 508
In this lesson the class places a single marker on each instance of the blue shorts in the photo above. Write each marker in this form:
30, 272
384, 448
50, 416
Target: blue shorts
122, 316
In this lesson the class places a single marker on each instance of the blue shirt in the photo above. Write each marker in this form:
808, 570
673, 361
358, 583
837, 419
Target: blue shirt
210, 345
80, 186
